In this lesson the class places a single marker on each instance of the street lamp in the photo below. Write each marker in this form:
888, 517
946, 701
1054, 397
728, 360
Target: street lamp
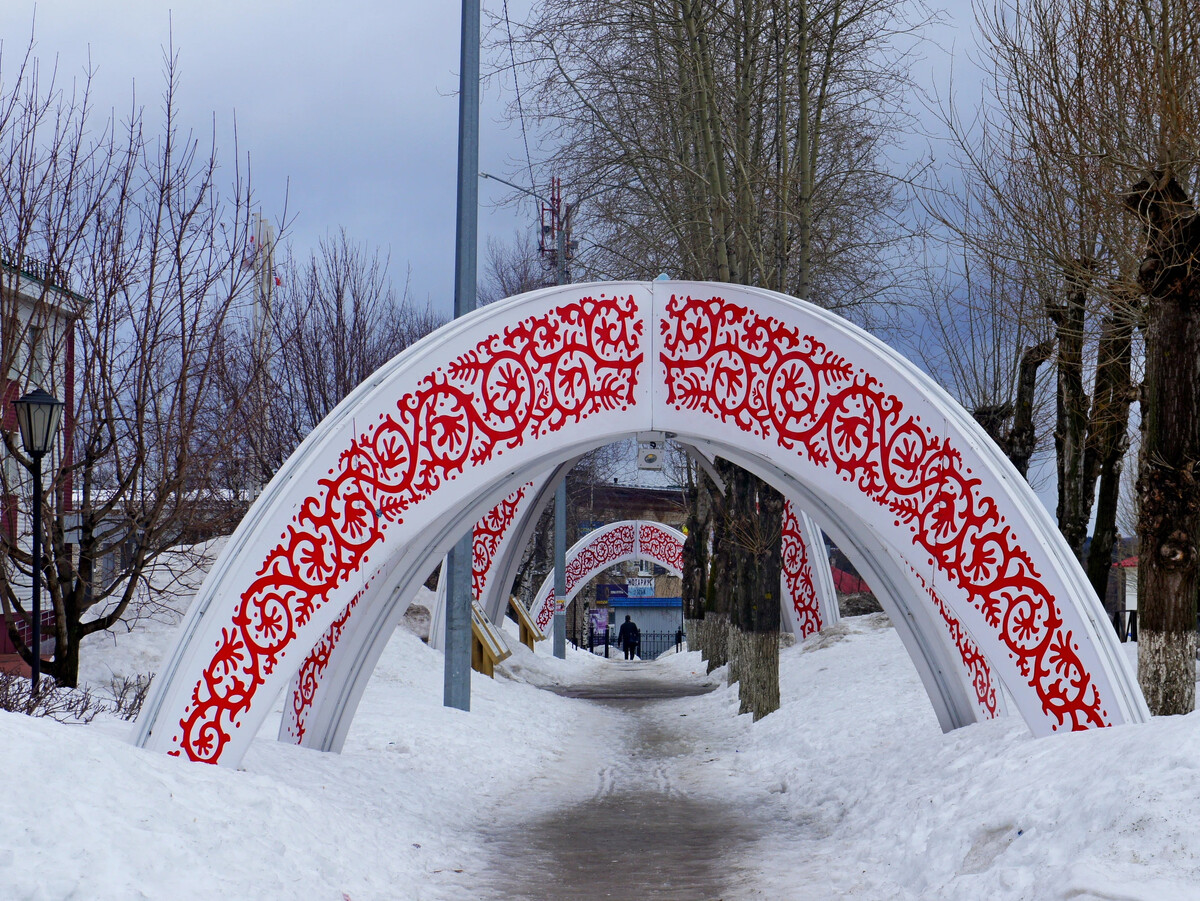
38, 414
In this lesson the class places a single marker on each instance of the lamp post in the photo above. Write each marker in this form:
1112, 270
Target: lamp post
38, 414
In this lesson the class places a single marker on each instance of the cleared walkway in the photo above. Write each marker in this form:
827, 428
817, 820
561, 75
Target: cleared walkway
644, 833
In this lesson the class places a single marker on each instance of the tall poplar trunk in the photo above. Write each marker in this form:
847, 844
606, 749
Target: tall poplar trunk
1071, 416
1169, 521
1104, 456
751, 553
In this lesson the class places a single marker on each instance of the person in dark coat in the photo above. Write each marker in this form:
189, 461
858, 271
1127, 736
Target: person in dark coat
629, 637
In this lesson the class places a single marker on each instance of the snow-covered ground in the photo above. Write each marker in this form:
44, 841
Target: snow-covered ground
866, 797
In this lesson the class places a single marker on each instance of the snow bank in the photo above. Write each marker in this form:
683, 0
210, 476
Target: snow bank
873, 800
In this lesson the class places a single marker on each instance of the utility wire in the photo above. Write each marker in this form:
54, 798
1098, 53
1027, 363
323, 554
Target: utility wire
517, 86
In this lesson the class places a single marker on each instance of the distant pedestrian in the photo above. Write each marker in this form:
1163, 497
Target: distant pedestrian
629, 638
679, 640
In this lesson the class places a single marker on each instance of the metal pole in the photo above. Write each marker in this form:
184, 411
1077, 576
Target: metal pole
560, 569
458, 578
36, 665
560, 503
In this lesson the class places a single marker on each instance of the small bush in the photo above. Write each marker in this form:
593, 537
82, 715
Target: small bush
66, 705
73, 705
128, 694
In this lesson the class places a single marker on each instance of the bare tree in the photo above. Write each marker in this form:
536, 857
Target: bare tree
1049, 254
1159, 81
512, 269
1090, 167
739, 141
153, 245
337, 318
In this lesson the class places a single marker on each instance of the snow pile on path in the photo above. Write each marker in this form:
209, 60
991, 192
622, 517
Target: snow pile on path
877, 803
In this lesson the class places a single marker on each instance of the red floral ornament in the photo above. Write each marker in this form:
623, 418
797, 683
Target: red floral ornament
798, 576
657, 544
773, 381
535, 378
489, 534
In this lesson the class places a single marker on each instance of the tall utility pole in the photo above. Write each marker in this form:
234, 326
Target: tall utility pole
558, 232
555, 246
458, 563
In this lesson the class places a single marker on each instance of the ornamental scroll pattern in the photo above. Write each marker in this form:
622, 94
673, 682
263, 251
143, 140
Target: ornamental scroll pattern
489, 535
612, 545
657, 544
771, 380
534, 378
798, 576
308, 679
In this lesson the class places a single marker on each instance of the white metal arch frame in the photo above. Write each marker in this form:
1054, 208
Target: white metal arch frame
325, 691
442, 432
807, 596
629, 539
807, 601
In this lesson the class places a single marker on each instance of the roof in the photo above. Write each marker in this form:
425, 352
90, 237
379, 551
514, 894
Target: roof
53, 279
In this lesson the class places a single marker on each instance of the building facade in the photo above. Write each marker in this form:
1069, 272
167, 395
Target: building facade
38, 311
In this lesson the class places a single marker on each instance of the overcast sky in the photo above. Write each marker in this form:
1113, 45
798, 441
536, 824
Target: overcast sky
354, 103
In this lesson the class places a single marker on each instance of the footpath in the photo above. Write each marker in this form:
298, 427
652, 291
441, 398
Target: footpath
645, 829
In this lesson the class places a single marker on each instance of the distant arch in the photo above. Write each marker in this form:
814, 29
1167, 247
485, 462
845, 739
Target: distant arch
617, 542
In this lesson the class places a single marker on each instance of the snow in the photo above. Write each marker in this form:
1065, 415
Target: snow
859, 793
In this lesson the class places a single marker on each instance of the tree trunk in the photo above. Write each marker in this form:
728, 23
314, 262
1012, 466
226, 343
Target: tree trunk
1104, 458
1169, 521
758, 689
1018, 440
734, 640
716, 628
695, 550
752, 545
691, 628
1071, 416
1022, 438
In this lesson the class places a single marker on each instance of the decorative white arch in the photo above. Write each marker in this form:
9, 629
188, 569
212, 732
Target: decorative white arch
808, 600
630, 539
494, 540
444, 431
808, 597
325, 691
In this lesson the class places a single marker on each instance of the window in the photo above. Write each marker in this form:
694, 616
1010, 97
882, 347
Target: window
37, 356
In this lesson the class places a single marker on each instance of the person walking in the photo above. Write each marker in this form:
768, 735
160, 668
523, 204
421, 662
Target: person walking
629, 637
678, 640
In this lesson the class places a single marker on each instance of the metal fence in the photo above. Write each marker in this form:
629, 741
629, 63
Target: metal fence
651, 645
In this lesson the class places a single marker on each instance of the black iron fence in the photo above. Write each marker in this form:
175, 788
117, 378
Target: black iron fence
650, 644
47, 273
